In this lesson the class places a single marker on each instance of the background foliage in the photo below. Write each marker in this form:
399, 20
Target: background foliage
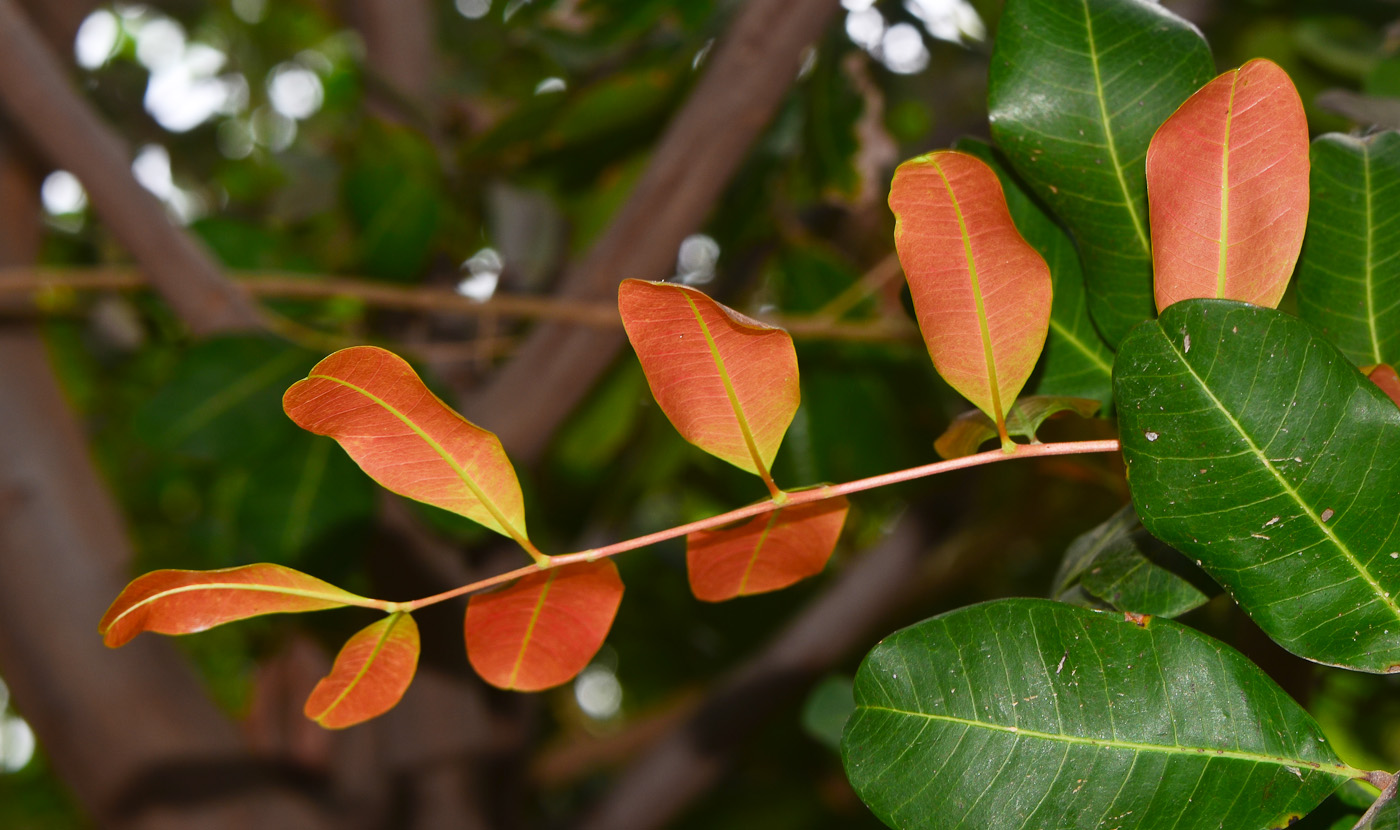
499, 170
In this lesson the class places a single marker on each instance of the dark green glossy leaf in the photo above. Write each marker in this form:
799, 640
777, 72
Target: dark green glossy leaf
970, 430
1077, 89
1256, 448
1349, 273
1029, 713
1076, 363
1117, 563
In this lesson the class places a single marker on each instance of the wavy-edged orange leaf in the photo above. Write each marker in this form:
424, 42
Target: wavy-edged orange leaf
1227, 189
183, 602
401, 434
370, 674
765, 553
981, 293
1386, 378
542, 629
727, 382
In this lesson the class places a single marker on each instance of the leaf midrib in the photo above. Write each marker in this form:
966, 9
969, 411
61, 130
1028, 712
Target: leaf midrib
749, 442
364, 669
1370, 251
1064, 331
1222, 263
758, 549
1342, 770
530, 630
462, 474
342, 599
1109, 140
1283, 482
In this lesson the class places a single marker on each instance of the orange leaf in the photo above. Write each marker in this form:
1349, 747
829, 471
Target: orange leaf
768, 552
1227, 187
370, 674
544, 628
1386, 378
982, 294
374, 404
728, 383
183, 602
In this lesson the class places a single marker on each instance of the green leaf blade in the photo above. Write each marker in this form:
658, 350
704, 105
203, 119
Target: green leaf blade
1030, 713
1077, 90
1349, 273
1254, 447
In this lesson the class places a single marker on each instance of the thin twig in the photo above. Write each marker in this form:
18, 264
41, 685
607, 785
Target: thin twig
34, 282
793, 500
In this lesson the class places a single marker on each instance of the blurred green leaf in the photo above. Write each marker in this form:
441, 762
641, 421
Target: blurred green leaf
829, 705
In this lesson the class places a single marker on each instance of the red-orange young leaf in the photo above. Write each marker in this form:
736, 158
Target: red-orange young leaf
542, 629
981, 293
1386, 378
374, 404
1227, 187
370, 674
768, 552
728, 383
183, 602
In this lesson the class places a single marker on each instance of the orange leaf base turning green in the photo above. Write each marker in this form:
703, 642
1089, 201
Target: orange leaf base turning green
370, 674
183, 602
768, 552
543, 629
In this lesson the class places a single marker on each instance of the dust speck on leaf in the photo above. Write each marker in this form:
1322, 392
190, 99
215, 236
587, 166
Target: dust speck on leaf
1328, 514
1151, 436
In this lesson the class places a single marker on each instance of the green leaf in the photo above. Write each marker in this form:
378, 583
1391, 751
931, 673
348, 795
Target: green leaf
1077, 89
1077, 363
224, 400
1117, 562
1029, 713
970, 430
1256, 448
1349, 274
827, 709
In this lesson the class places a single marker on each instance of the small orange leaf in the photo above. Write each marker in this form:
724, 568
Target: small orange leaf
370, 674
728, 383
768, 552
1386, 378
374, 404
1227, 188
982, 294
183, 602
543, 629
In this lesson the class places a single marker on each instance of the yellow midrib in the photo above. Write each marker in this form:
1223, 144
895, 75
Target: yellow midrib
986, 333
1370, 250
491, 508
1207, 752
749, 442
758, 548
342, 599
359, 675
530, 630
1222, 263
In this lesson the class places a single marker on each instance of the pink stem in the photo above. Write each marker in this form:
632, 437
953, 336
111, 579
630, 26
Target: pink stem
793, 499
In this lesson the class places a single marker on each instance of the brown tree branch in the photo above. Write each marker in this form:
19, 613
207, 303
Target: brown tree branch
38, 97
752, 67
32, 283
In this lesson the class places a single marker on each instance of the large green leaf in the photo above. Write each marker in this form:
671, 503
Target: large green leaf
1029, 713
1255, 447
1076, 362
1077, 89
1349, 274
